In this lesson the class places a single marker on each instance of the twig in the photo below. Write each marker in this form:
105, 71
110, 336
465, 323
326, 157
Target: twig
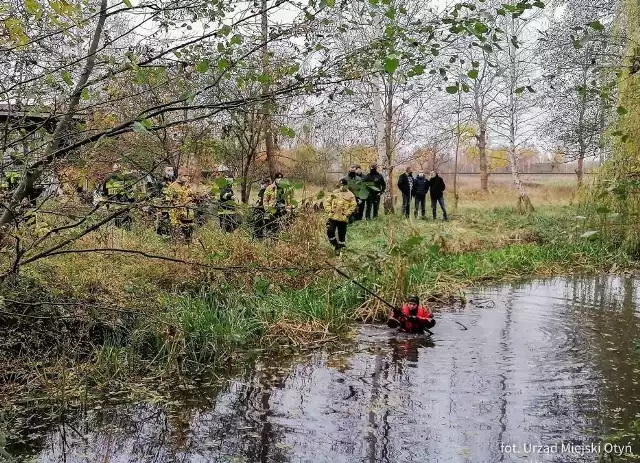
181, 261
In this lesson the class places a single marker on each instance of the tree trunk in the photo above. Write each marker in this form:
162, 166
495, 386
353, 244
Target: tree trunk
482, 155
245, 185
455, 164
381, 142
387, 168
580, 169
25, 188
267, 127
524, 203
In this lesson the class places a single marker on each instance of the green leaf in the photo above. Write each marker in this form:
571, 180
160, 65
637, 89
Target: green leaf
414, 240
622, 111
473, 74
417, 70
202, 66
452, 89
603, 210
236, 39
391, 64
223, 64
320, 195
519, 90
363, 193
66, 76
221, 182
85, 93
33, 8
146, 123
588, 234
128, 3
287, 132
465, 88
264, 78
225, 30
260, 286
481, 28
297, 185
329, 3
390, 13
596, 25
139, 128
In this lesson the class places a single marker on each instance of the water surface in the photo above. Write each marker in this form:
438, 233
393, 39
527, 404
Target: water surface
547, 362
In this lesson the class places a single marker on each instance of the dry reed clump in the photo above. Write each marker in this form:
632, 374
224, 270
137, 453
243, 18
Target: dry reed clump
395, 275
297, 333
114, 276
275, 259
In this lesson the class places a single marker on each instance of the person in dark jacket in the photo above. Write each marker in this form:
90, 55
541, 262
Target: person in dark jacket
436, 189
263, 186
259, 213
118, 187
227, 213
354, 183
420, 188
405, 185
375, 179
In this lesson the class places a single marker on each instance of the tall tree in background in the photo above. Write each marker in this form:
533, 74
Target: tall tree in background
579, 72
268, 103
514, 122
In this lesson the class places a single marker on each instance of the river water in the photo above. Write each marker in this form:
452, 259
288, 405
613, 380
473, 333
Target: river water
550, 363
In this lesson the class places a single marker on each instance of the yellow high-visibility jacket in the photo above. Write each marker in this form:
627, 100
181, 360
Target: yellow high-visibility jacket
180, 195
275, 196
340, 205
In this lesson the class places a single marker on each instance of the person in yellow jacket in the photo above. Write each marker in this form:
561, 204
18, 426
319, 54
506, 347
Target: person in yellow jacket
182, 214
339, 207
277, 202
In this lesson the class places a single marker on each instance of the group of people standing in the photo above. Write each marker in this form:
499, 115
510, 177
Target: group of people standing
358, 197
270, 212
417, 188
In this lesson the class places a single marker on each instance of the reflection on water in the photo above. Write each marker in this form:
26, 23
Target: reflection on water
553, 361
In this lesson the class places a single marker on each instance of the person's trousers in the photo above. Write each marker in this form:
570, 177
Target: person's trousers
276, 222
124, 221
228, 222
420, 203
434, 205
359, 212
406, 204
372, 206
259, 222
337, 233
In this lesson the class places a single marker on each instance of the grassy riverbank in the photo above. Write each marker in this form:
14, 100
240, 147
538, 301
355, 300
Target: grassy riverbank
105, 317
